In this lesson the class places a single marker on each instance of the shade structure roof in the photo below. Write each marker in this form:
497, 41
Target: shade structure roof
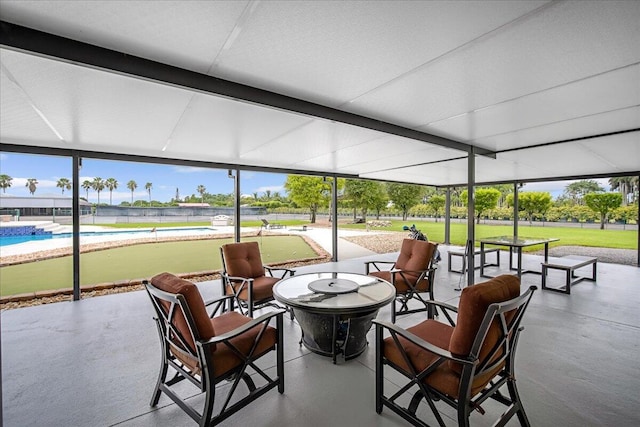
388, 90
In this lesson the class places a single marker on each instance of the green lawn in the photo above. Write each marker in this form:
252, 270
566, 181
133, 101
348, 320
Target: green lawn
203, 255
140, 261
569, 236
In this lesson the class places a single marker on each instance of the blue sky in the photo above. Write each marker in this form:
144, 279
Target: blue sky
164, 178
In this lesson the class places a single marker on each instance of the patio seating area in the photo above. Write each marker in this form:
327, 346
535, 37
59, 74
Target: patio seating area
95, 362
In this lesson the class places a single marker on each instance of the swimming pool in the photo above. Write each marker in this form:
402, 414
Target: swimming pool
132, 233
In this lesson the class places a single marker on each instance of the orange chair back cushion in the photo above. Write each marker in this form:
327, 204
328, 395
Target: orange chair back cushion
172, 284
474, 302
243, 259
415, 255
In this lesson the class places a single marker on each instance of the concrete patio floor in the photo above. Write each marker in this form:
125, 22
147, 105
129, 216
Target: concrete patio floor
94, 362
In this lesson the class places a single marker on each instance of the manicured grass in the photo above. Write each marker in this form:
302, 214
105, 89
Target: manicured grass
569, 236
140, 261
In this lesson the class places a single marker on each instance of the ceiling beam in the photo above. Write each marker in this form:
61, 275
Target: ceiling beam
24, 39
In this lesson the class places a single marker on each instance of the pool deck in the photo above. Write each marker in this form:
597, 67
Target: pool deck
322, 236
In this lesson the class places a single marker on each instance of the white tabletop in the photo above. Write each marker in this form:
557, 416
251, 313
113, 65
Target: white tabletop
371, 293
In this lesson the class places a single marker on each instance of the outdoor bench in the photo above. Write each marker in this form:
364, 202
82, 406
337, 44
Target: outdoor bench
461, 253
569, 264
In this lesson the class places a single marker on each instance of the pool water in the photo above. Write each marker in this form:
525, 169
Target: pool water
14, 240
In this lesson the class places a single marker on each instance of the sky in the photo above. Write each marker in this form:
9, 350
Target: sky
165, 179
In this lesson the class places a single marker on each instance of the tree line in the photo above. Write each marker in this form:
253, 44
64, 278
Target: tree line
365, 197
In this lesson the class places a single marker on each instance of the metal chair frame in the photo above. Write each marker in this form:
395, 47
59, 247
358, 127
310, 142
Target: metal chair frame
172, 341
472, 366
234, 285
403, 298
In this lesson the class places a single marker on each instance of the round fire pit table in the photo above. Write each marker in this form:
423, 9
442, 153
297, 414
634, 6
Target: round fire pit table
334, 310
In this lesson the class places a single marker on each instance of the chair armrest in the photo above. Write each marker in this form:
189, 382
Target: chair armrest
219, 301
426, 270
285, 271
236, 278
443, 305
375, 264
422, 343
379, 262
265, 318
446, 307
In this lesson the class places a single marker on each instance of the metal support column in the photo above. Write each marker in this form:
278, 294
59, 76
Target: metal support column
334, 215
235, 175
75, 214
638, 223
516, 210
447, 217
471, 205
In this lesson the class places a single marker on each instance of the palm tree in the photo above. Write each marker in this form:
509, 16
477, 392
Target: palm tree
132, 185
625, 185
98, 186
148, 186
111, 184
86, 184
5, 182
64, 184
31, 184
201, 189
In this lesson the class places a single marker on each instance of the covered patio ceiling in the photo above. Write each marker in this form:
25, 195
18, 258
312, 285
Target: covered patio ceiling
398, 91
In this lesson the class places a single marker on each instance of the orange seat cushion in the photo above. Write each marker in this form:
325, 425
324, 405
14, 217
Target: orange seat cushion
474, 302
224, 359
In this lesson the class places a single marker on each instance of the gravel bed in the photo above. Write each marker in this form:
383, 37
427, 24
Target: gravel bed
609, 255
391, 241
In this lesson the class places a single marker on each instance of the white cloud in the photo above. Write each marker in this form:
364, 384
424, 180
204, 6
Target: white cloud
556, 188
190, 169
42, 183
272, 188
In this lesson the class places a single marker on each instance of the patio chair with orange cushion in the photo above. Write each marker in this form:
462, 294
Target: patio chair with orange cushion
246, 278
207, 349
461, 364
412, 274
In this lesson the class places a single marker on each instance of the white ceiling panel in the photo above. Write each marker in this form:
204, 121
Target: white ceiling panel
598, 124
432, 174
187, 34
91, 107
315, 138
600, 94
19, 120
223, 130
345, 49
614, 154
383, 152
564, 42
621, 152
